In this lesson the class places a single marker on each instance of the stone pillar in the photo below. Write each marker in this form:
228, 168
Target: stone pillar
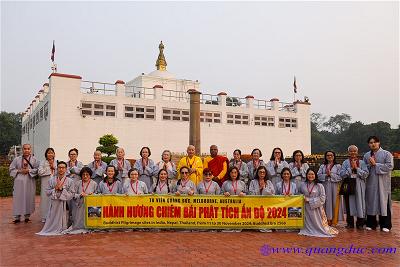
275, 103
222, 99
249, 101
194, 120
120, 88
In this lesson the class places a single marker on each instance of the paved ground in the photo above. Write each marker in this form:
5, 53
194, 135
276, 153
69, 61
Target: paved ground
21, 247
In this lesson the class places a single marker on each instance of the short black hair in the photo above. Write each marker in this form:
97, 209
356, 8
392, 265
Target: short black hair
183, 167
145, 147
237, 150
73, 149
256, 149
261, 167
61, 162
115, 170
302, 156
47, 151
376, 138
273, 156
132, 170
85, 169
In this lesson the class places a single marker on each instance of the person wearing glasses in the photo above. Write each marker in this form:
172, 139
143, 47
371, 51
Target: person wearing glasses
378, 191
254, 163
261, 185
242, 166
185, 186
74, 166
208, 186
298, 167
329, 175
275, 165
233, 186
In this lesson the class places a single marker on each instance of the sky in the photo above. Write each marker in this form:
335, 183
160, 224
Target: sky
345, 55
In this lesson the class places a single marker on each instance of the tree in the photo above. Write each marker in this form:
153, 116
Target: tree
338, 123
317, 121
10, 131
108, 144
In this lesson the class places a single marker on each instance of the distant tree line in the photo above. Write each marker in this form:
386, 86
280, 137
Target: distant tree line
338, 132
10, 131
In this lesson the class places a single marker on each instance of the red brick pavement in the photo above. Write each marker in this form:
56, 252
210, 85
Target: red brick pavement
21, 247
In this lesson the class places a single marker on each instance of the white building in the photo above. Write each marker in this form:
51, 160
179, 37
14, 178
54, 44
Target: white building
153, 110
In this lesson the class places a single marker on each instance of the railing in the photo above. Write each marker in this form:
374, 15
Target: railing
209, 99
289, 107
262, 104
140, 92
98, 88
171, 95
232, 101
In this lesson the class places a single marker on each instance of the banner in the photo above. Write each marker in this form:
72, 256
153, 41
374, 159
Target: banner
194, 212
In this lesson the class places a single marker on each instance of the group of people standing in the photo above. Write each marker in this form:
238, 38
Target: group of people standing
359, 187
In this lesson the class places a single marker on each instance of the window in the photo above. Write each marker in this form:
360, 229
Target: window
237, 119
287, 122
98, 109
41, 114
46, 110
140, 112
264, 121
175, 114
210, 117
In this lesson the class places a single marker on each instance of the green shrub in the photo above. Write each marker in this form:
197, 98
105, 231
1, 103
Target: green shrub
7, 182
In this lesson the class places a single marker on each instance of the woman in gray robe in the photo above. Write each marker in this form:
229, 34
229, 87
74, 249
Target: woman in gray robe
253, 165
47, 169
185, 186
163, 185
275, 165
233, 186
85, 187
208, 186
378, 187
329, 175
167, 164
122, 165
134, 186
60, 190
98, 167
298, 167
315, 221
24, 170
353, 168
242, 166
261, 185
286, 187
146, 167
73, 165
110, 184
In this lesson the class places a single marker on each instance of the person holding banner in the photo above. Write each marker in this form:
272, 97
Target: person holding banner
98, 167
261, 185
255, 162
135, 186
242, 166
193, 163
167, 164
233, 185
60, 189
46, 170
83, 188
298, 167
354, 173
185, 186
162, 186
275, 165
286, 187
329, 174
122, 165
208, 186
110, 184
315, 221
146, 167
218, 165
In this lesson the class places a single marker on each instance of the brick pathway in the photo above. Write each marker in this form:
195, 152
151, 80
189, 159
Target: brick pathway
21, 247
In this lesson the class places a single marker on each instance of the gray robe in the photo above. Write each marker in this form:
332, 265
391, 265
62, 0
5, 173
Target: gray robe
123, 172
315, 221
79, 203
227, 186
184, 187
298, 176
281, 188
24, 186
115, 188
332, 186
275, 172
164, 188
136, 188
74, 170
268, 190
208, 188
378, 191
45, 174
252, 168
146, 174
356, 201
56, 220
243, 169
98, 173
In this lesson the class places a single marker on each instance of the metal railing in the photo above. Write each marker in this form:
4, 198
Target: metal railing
288, 107
262, 104
233, 101
140, 92
172, 95
209, 99
98, 88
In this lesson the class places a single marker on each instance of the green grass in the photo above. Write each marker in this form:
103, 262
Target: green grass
396, 173
396, 194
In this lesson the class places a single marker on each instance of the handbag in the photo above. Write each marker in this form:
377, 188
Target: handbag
348, 186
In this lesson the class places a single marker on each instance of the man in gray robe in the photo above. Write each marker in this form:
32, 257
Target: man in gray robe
378, 191
24, 170
98, 167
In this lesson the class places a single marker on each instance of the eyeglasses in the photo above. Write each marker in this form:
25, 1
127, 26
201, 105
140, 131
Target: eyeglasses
207, 174
261, 172
277, 152
184, 172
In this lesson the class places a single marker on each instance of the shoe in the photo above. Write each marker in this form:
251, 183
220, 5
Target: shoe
350, 226
385, 230
17, 221
368, 228
265, 230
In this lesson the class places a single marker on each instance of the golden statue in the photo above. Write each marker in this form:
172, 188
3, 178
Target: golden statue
161, 63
